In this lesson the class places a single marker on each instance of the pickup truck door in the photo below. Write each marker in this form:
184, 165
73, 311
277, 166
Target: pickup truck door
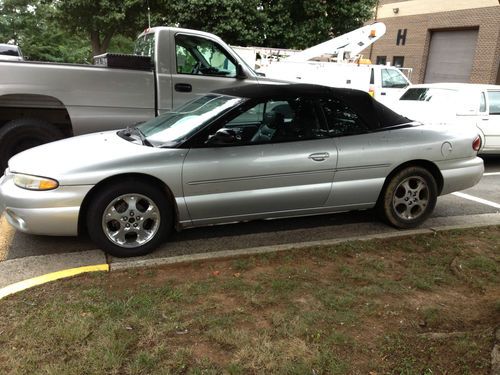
201, 65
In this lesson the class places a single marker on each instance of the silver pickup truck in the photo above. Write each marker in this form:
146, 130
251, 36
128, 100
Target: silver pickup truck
42, 102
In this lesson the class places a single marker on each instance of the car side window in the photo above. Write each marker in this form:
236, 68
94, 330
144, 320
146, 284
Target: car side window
342, 120
494, 102
200, 56
275, 121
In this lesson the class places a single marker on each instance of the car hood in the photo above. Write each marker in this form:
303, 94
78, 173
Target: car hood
88, 159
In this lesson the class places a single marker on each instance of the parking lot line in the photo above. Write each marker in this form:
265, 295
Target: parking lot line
476, 199
492, 174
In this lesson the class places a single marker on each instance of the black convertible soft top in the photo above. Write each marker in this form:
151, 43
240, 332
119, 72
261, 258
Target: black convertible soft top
375, 114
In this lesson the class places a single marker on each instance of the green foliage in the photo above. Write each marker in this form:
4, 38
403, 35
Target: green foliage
303, 23
236, 21
31, 25
101, 20
273, 23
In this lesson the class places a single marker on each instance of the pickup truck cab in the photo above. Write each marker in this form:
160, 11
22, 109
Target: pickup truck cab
42, 102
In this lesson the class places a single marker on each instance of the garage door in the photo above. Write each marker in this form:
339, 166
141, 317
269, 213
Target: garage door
450, 56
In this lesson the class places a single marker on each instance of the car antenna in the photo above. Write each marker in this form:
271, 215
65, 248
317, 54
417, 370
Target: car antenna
149, 15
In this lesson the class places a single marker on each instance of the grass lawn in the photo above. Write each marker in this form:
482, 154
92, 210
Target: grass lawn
427, 304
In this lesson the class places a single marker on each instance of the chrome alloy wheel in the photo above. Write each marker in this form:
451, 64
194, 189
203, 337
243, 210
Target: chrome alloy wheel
131, 220
411, 198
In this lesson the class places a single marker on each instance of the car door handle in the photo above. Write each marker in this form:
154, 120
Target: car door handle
320, 156
382, 93
183, 87
485, 118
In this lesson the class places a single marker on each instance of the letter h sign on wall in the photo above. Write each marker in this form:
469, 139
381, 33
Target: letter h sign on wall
401, 38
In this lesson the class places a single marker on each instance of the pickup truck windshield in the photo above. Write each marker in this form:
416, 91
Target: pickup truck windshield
393, 78
172, 128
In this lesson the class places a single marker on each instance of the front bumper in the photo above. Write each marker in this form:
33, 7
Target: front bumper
53, 212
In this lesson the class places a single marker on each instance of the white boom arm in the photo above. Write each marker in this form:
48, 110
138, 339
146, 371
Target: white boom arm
344, 46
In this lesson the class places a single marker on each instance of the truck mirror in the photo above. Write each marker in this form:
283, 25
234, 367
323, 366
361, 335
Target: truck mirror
240, 73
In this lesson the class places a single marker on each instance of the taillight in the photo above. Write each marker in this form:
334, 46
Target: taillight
476, 143
371, 91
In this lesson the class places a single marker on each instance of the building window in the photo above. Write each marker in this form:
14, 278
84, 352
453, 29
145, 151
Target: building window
381, 60
398, 61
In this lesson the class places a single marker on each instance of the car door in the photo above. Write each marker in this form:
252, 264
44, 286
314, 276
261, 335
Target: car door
281, 163
362, 162
201, 65
490, 123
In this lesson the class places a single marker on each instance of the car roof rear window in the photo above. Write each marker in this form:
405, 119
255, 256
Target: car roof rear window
9, 50
427, 94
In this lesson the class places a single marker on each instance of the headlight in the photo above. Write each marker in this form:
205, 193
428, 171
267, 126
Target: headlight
34, 182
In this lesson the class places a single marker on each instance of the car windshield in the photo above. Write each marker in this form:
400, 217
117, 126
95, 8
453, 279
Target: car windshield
172, 128
428, 94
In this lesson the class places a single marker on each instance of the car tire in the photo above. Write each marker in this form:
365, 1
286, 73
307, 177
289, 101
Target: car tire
409, 198
129, 218
24, 133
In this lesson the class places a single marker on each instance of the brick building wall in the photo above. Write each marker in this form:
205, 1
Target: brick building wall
421, 18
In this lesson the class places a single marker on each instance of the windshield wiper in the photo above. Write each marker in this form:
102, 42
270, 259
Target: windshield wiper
136, 131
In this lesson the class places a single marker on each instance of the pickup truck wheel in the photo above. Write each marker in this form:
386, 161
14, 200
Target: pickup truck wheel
21, 134
409, 197
129, 219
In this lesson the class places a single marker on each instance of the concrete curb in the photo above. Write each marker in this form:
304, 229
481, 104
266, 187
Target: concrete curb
257, 250
17, 270
39, 280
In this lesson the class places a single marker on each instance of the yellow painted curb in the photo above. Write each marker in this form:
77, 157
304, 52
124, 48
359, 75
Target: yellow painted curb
39, 280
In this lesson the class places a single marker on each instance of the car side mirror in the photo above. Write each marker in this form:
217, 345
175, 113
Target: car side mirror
223, 136
240, 73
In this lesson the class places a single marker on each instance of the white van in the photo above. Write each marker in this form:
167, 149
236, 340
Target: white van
384, 83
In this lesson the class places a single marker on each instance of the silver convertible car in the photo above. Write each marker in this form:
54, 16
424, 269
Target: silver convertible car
238, 154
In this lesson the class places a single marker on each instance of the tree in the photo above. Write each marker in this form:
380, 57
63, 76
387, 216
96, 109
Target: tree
30, 24
303, 23
235, 21
273, 23
100, 20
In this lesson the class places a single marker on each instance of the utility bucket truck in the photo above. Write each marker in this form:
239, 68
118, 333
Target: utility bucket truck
337, 63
